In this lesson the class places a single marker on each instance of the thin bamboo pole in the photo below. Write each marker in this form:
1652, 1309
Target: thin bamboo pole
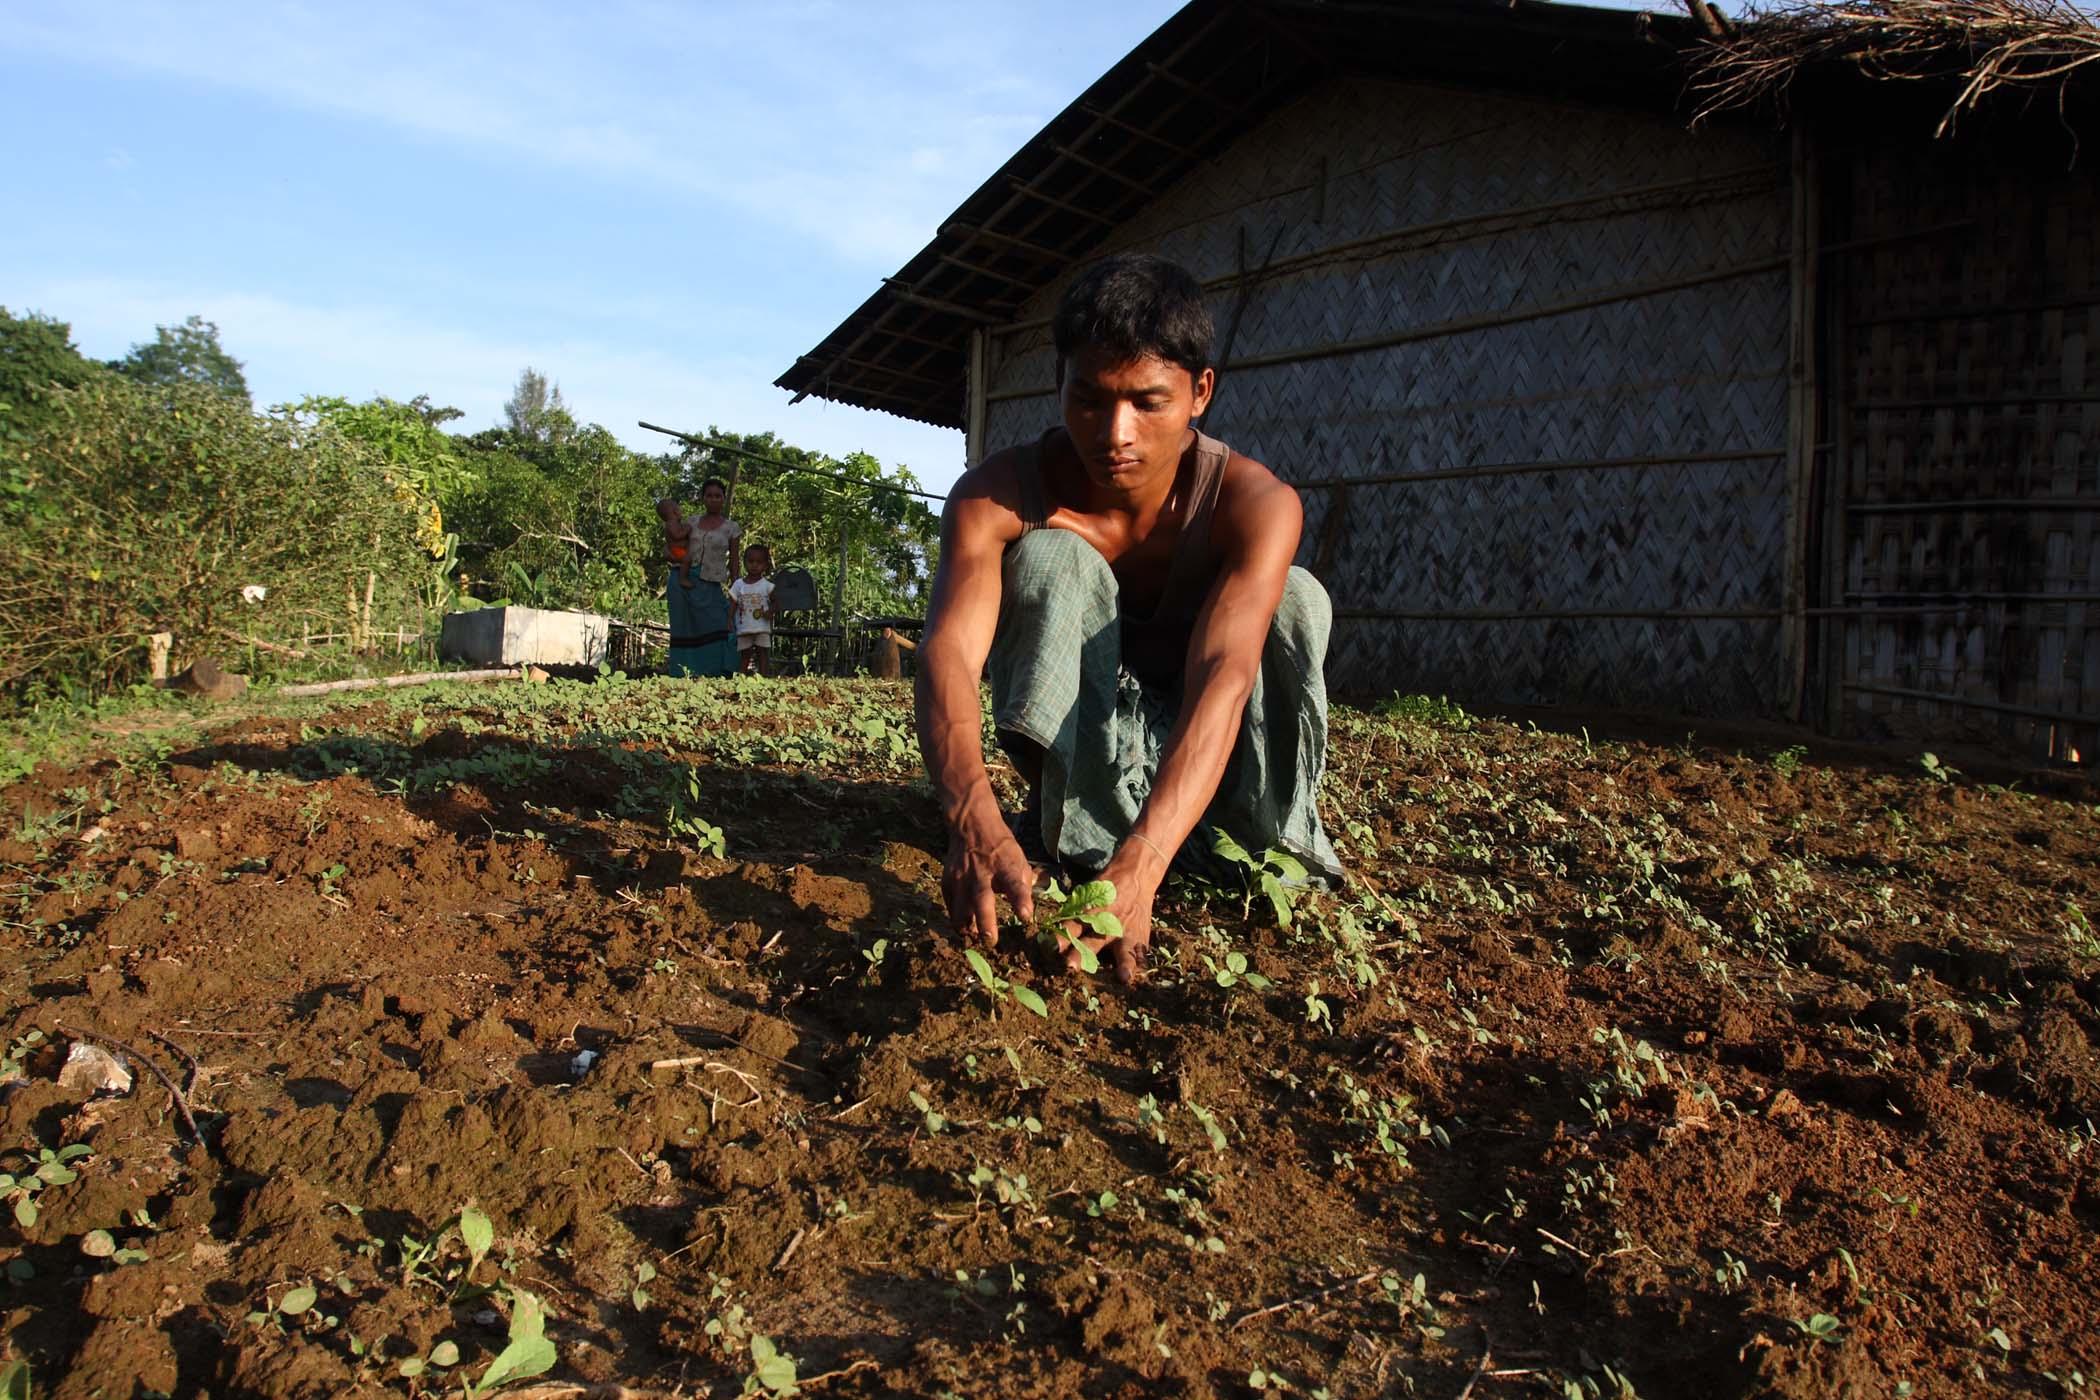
1466, 325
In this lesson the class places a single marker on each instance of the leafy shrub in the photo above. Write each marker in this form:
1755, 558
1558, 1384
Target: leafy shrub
134, 509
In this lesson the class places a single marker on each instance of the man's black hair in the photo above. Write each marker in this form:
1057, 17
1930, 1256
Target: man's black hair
714, 481
1134, 305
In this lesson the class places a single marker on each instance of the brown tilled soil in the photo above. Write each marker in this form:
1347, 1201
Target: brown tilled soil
1620, 1069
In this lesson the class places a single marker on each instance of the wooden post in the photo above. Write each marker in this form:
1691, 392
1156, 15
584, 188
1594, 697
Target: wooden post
973, 434
1801, 425
157, 648
364, 623
838, 584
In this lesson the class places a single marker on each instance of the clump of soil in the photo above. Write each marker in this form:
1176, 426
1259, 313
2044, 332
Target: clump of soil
1615, 1063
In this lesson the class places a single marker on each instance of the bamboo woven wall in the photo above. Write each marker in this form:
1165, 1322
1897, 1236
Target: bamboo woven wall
1580, 323
1966, 423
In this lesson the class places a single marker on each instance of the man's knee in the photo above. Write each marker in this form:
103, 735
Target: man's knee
1305, 615
1048, 561
1047, 565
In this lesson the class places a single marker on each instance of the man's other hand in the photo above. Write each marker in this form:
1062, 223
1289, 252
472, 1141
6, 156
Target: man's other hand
1136, 876
984, 862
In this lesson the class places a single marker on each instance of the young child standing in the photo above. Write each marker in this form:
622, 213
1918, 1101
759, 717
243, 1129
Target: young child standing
753, 596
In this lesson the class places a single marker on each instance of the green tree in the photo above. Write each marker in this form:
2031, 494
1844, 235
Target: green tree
186, 354
536, 411
562, 522
36, 354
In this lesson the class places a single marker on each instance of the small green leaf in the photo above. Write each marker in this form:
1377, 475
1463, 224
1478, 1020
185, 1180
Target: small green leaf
771, 1367
14, 1380
1029, 998
477, 1234
992, 981
25, 1211
98, 1244
1094, 894
299, 1300
411, 1368
529, 1352
445, 1354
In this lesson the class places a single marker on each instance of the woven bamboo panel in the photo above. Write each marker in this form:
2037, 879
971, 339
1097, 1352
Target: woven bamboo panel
1486, 196
1969, 376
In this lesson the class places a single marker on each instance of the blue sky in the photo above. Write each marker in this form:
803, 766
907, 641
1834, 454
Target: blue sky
658, 205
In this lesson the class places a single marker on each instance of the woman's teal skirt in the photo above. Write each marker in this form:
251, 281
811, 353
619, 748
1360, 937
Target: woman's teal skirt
702, 642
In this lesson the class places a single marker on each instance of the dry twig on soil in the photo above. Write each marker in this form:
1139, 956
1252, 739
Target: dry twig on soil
182, 1104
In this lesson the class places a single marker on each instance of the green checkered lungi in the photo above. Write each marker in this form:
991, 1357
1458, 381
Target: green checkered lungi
1058, 679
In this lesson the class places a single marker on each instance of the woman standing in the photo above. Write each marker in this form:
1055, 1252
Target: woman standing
703, 637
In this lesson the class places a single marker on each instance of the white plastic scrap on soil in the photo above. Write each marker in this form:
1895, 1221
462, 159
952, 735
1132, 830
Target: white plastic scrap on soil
94, 1070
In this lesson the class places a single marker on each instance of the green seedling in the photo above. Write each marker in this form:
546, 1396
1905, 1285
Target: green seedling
1235, 971
1821, 1327
328, 878
934, 1121
18, 1054
644, 1272
47, 1169
1086, 905
1267, 875
527, 1353
772, 1370
1000, 989
441, 1357
684, 820
1209, 1123
429, 1261
873, 955
1317, 1012
14, 1380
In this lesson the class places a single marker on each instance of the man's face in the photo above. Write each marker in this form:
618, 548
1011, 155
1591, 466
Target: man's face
1129, 419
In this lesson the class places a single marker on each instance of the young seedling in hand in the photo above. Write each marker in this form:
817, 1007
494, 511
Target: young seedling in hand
1086, 907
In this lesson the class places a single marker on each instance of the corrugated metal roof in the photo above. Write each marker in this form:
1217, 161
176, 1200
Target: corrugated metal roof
1198, 82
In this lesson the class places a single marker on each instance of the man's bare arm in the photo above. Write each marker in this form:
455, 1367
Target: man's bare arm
983, 859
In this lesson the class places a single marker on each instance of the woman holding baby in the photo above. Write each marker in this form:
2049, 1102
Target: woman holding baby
704, 553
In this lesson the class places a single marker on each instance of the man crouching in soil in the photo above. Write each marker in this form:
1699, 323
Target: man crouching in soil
1154, 656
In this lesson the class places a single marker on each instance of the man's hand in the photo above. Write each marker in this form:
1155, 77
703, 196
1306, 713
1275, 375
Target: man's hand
1135, 871
984, 861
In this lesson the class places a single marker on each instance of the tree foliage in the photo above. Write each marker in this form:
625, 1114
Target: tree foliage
134, 510
536, 411
186, 354
36, 354
148, 499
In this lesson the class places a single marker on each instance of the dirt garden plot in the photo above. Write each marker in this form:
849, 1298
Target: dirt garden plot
570, 1039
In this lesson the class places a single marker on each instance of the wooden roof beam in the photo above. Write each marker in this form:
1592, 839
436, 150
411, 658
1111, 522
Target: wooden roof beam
1005, 240
1140, 187
1143, 134
906, 294
1034, 192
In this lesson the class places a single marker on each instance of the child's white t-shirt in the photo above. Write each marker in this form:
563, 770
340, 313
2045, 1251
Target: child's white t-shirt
751, 599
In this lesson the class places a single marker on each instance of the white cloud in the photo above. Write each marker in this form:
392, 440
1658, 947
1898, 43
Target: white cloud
856, 126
